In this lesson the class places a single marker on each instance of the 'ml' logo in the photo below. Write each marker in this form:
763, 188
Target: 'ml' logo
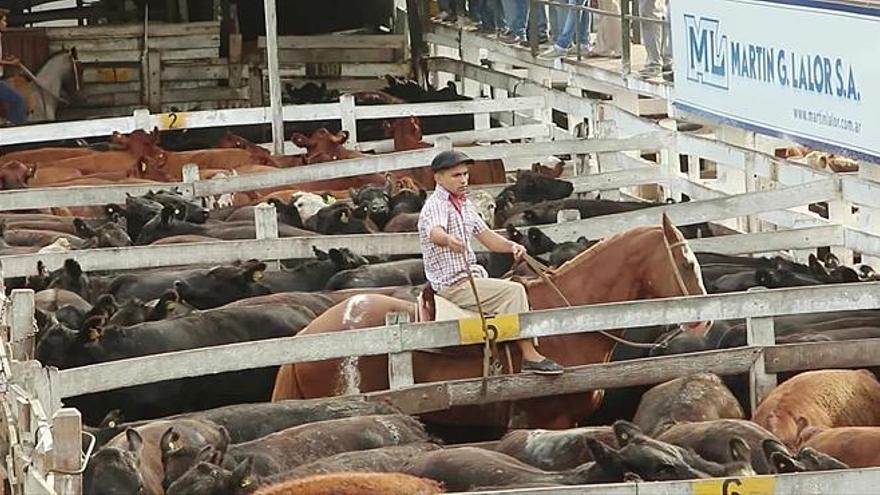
707, 63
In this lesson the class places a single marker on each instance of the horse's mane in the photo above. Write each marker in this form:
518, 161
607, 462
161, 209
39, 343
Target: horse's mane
600, 247
52, 56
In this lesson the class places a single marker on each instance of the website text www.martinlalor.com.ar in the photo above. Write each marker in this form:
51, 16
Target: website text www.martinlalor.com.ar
828, 119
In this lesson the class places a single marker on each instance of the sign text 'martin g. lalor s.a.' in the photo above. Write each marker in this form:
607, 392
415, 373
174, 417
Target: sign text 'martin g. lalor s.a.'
803, 69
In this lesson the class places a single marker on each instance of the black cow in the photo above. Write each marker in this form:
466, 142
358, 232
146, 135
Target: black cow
287, 449
376, 200
168, 223
203, 329
109, 234
407, 201
314, 274
191, 210
200, 287
392, 273
341, 218
532, 187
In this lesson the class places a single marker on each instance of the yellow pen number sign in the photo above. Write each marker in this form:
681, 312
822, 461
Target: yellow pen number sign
736, 486
503, 327
172, 120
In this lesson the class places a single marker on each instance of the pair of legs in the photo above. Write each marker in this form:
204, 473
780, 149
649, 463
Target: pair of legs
501, 297
655, 36
516, 13
15, 107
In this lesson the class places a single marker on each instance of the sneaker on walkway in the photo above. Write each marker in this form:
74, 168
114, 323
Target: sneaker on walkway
513, 40
650, 71
553, 52
545, 367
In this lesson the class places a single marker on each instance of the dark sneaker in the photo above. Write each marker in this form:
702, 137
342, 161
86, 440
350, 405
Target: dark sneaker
545, 367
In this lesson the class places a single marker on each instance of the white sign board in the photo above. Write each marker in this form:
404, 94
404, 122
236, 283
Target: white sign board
804, 70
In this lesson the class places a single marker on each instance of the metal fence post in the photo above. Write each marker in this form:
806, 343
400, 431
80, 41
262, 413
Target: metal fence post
67, 455
349, 118
760, 333
266, 227
400, 365
532, 27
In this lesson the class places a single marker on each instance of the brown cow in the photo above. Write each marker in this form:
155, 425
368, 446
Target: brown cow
324, 146
825, 398
699, 397
48, 154
230, 140
356, 484
856, 446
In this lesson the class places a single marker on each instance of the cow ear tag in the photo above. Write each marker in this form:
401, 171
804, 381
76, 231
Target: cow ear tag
344, 217
258, 275
246, 482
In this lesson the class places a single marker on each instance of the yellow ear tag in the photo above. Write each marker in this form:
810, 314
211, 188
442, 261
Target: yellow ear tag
171, 446
343, 217
246, 482
143, 167
94, 334
111, 424
330, 200
170, 305
258, 275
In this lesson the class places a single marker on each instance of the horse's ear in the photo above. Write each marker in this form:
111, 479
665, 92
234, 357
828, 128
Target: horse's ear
668, 227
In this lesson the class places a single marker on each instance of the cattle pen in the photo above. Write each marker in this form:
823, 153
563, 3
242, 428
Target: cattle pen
763, 200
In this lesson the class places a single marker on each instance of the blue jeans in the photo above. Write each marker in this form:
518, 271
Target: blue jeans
519, 18
15, 107
566, 36
490, 14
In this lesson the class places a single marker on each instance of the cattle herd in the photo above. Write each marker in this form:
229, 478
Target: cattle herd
220, 434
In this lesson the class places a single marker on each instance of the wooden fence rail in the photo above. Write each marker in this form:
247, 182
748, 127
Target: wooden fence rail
414, 336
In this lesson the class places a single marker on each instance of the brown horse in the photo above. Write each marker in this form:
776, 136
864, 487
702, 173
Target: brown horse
642, 263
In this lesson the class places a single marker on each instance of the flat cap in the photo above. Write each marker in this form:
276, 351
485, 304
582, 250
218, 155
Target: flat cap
449, 159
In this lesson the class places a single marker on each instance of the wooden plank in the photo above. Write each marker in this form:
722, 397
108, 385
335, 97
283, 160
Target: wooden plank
822, 355
353, 70
520, 386
67, 455
204, 94
97, 45
19, 199
154, 81
407, 337
22, 325
706, 210
96, 75
850, 481
136, 30
348, 41
333, 55
133, 56
765, 242
457, 107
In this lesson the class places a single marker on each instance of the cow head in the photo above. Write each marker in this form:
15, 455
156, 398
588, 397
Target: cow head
116, 469
16, 175
222, 284
376, 200
206, 477
534, 187
192, 211
342, 258
179, 455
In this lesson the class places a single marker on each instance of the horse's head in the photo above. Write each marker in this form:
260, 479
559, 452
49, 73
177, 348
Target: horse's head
71, 73
676, 271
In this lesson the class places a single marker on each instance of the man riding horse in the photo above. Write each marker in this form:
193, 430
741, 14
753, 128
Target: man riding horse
446, 223
16, 110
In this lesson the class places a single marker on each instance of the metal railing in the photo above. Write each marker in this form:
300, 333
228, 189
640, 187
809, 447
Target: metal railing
624, 15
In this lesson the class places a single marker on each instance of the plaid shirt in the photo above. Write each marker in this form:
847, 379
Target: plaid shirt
443, 267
